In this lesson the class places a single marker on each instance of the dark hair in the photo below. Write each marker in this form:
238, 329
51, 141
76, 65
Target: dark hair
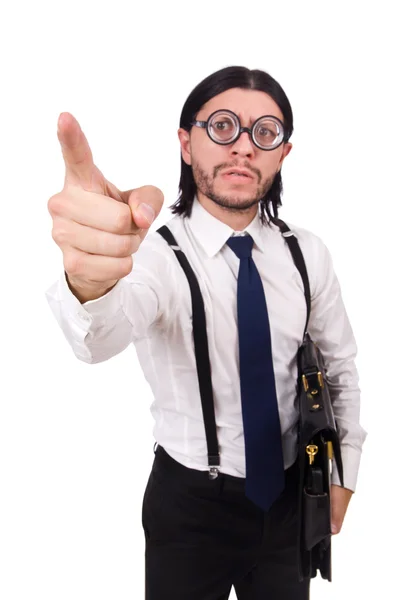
218, 82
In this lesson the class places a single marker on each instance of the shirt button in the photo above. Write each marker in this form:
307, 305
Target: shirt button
84, 317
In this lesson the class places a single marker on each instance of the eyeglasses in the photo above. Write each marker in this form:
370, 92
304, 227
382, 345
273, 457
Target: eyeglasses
224, 127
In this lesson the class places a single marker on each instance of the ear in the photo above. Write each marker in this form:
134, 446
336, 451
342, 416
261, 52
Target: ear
286, 150
184, 139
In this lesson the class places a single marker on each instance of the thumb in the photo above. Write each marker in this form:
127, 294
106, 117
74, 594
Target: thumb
145, 203
340, 498
77, 155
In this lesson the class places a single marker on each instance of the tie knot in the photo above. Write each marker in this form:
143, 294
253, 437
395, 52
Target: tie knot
241, 245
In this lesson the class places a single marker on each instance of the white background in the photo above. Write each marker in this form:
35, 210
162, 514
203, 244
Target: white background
76, 443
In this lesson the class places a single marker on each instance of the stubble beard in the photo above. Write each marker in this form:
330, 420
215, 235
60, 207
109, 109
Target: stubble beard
205, 184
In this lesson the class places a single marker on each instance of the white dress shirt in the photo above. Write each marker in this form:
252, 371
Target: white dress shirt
151, 307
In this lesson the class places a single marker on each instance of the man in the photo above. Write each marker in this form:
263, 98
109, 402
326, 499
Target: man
238, 526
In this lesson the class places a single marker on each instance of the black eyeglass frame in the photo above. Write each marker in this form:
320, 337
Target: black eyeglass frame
204, 125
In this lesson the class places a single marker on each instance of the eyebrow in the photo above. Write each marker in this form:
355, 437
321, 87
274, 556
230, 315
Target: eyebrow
253, 119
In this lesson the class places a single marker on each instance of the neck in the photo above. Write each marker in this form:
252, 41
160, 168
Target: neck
238, 220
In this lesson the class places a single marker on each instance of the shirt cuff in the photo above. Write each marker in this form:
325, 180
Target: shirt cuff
351, 463
96, 310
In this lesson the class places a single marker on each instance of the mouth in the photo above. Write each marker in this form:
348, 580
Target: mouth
237, 177
237, 174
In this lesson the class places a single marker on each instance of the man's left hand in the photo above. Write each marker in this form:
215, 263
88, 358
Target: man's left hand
340, 498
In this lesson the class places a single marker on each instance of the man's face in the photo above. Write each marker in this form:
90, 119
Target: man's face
209, 160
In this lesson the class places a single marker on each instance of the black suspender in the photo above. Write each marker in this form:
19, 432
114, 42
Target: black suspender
202, 355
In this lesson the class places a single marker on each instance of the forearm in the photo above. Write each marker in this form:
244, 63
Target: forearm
99, 329
343, 383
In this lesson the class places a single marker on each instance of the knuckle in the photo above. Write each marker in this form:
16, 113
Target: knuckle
124, 245
136, 242
149, 194
73, 263
159, 194
153, 191
123, 219
127, 245
55, 204
125, 266
59, 235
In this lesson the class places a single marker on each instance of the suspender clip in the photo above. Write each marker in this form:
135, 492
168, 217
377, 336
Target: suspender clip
213, 465
213, 473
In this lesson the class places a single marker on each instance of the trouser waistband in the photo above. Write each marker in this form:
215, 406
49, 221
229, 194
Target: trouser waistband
197, 476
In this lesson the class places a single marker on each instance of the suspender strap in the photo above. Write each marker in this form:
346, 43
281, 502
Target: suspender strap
299, 261
201, 351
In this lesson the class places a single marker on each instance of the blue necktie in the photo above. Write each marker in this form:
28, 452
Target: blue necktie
261, 421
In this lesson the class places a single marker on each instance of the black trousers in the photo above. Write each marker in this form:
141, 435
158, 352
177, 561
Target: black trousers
204, 536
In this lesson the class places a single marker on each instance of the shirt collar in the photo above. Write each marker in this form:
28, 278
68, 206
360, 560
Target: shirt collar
213, 234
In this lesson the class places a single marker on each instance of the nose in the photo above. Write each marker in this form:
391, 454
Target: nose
243, 145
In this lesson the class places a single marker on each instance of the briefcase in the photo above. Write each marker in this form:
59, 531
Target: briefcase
318, 443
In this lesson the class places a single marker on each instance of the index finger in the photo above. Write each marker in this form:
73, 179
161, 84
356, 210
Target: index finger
76, 152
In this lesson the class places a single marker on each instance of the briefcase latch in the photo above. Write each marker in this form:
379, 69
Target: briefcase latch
313, 381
